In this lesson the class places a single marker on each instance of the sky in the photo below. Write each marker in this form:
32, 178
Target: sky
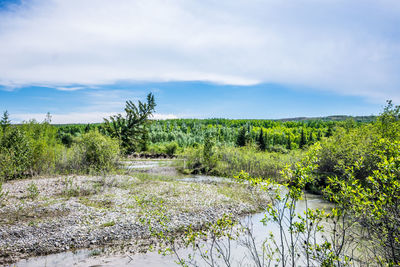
81, 60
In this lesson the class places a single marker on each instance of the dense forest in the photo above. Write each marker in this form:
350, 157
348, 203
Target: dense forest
276, 134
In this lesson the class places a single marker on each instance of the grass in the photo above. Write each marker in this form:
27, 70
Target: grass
32, 191
108, 224
98, 204
29, 213
96, 252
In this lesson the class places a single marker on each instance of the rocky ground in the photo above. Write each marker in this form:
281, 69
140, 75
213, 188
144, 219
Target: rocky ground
53, 214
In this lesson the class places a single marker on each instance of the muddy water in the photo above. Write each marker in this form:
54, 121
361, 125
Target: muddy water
240, 255
83, 258
146, 164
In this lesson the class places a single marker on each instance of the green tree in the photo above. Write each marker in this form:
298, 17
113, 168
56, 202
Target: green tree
242, 137
261, 141
87, 128
208, 146
329, 132
388, 121
303, 140
5, 121
311, 138
289, 143
15, 154
319, 135
132, 129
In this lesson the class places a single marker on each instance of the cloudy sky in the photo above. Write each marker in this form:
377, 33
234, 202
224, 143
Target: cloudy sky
81, 59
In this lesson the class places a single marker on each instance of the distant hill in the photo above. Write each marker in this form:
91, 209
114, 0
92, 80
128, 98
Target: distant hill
333, 118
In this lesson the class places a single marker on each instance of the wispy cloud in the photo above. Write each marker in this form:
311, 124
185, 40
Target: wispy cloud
71, 88
345, 46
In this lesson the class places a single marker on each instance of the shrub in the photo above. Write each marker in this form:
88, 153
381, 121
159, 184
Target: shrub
67, 139
374, 203
343, 150
33, 191
171, 148
349, 145
93, 152
156, 149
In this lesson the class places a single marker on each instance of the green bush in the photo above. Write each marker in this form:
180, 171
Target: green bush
67, 139
156, 149
33, 191
92, 152
343, 150
171, 148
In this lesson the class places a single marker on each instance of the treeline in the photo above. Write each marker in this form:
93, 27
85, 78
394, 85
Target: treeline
269, 135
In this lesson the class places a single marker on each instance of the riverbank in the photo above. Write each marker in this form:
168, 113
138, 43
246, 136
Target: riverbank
48, 215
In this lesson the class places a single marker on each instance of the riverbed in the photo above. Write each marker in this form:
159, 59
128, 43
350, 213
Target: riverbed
108, 256
80, 217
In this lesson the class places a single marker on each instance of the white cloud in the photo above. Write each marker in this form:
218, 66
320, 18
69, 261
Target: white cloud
71, 88
346, 46
157, 116
76, 117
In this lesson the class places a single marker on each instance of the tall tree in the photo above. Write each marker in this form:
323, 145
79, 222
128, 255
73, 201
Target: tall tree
303, 140
208, 147
289, 143
319, 135
242, 137
329, 133
87, 128
131, 129
261, 141
267, 141
5, 121
311, 138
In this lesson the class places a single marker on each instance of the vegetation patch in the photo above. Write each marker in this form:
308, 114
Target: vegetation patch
32, 213
98, 204
108, 224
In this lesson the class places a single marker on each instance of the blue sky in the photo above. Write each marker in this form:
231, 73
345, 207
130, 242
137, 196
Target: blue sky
80, 60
